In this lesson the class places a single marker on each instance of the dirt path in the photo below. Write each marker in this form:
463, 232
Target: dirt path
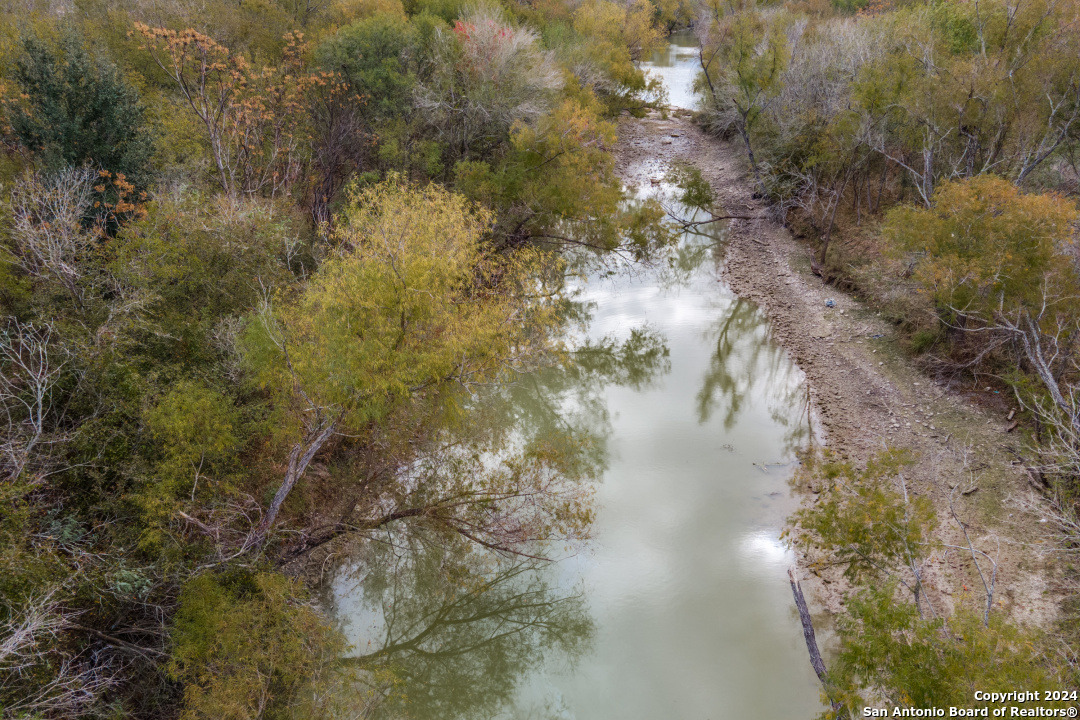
867, 394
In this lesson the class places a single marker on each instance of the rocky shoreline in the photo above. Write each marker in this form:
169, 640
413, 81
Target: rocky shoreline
866, 393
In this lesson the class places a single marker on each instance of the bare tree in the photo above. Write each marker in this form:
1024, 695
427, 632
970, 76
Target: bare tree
28, 643
31, 364
50, 237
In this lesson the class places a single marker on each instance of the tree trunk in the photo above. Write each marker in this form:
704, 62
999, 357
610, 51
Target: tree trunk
745, 133
300, 457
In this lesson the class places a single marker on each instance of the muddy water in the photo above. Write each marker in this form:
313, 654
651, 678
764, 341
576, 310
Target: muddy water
679, 607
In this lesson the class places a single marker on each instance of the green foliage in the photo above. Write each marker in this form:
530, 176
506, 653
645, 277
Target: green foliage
557, 186
849, 6
195, 429
986, 247
899, 644
614, 37
193, 424
247, 647
695, 190
76, 110
957, 26
194, 262
446, 10
408, 303
866, 520
886, 647
745, 66
378, 57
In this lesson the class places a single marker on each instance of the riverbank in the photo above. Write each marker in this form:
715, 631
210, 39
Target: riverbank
867, 393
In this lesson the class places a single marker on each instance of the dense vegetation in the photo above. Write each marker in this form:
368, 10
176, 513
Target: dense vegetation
260, 265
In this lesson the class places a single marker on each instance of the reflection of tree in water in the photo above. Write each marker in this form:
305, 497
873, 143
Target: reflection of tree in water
455, 626
746, 358
566, 405
457, 629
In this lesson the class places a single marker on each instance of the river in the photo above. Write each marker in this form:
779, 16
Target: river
679, 606
677, 65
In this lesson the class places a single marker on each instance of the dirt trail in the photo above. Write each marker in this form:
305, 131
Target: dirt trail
866, 392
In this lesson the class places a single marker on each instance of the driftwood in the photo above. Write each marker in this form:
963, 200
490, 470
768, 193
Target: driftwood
811, 644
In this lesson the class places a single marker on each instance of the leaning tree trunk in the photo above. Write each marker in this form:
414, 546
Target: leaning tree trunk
811, 644
300, 457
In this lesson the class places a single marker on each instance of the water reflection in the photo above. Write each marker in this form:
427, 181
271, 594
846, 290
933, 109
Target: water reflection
677, 66
676, 397
686, 576
446, 631
746, 362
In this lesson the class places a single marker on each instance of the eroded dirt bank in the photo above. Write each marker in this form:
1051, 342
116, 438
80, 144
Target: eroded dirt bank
866, 393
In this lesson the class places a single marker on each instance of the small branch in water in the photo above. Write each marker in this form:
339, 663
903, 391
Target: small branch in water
716, 218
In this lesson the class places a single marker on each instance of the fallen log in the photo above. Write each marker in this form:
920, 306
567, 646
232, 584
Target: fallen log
811, 644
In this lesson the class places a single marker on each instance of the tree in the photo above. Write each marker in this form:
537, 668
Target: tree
895, 641
743, 57
986, 248
32, 363
376, 57
888, 649
255, 120
409, 304
1000, 266
486, 75
556, 185
613, 39
193, 264
77, 110
247, 647
868, 525
993, 259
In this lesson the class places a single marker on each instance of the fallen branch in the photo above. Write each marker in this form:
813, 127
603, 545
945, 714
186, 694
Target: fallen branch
811, 643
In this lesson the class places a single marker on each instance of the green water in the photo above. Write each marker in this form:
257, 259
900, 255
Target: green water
679, 607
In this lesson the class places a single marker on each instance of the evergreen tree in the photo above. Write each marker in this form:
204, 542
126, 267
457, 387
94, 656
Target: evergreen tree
78, 109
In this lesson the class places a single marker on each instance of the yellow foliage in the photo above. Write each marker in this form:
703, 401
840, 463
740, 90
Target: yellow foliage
628, 26
411, 302
343, 12
986, 246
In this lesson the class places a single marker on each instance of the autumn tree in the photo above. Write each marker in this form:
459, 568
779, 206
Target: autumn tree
612, 39
255, 119
1000, 265
556, 186
247, 646
486, 75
